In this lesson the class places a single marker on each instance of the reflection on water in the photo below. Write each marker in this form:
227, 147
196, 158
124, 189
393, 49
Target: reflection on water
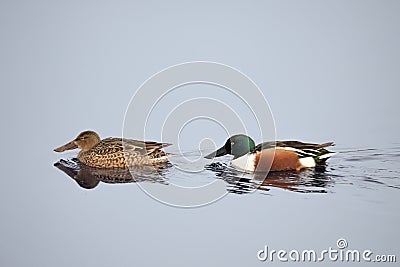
365, 168
307, 181
89, 177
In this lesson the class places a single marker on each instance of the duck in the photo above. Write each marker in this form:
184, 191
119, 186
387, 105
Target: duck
272, 156
115, 152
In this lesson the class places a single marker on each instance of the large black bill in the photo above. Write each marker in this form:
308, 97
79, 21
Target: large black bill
220, 152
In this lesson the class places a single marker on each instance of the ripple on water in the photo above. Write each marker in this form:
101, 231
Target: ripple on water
363, 168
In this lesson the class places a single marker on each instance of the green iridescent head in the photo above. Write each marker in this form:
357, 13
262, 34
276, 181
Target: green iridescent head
237, 145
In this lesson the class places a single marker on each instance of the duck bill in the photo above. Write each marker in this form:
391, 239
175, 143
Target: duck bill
220, 152
68, 146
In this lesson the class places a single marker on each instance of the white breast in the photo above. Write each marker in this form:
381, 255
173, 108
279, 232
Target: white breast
245, 162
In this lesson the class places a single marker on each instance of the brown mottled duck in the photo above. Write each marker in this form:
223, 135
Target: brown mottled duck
115, 152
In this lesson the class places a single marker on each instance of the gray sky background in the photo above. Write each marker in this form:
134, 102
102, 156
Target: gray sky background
329, 70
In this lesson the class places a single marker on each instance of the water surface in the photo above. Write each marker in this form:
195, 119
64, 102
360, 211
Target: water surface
354, 197
329, 70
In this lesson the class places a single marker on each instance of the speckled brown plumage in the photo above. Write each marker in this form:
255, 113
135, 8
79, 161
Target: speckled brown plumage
115, 152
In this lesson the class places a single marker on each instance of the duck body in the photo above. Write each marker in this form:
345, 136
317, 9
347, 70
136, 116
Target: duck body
115, 152
273, 156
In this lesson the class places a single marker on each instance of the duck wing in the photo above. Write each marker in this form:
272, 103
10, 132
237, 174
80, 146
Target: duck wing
303, 150
117, 145
293, 144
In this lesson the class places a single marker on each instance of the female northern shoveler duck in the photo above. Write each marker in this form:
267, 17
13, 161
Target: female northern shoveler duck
115, 152
272, 156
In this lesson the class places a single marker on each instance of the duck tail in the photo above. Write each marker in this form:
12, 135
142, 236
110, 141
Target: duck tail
323, 156
326, 144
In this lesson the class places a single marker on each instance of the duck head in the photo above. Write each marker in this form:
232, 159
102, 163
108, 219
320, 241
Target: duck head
85, 141
237, 145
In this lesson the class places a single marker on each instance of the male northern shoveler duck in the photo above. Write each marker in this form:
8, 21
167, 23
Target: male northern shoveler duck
115, 152
272, 156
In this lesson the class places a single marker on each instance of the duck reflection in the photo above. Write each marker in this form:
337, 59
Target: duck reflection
89, 177
307, 181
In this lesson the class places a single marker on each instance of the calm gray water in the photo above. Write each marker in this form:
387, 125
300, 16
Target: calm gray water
329, 70
55, 221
